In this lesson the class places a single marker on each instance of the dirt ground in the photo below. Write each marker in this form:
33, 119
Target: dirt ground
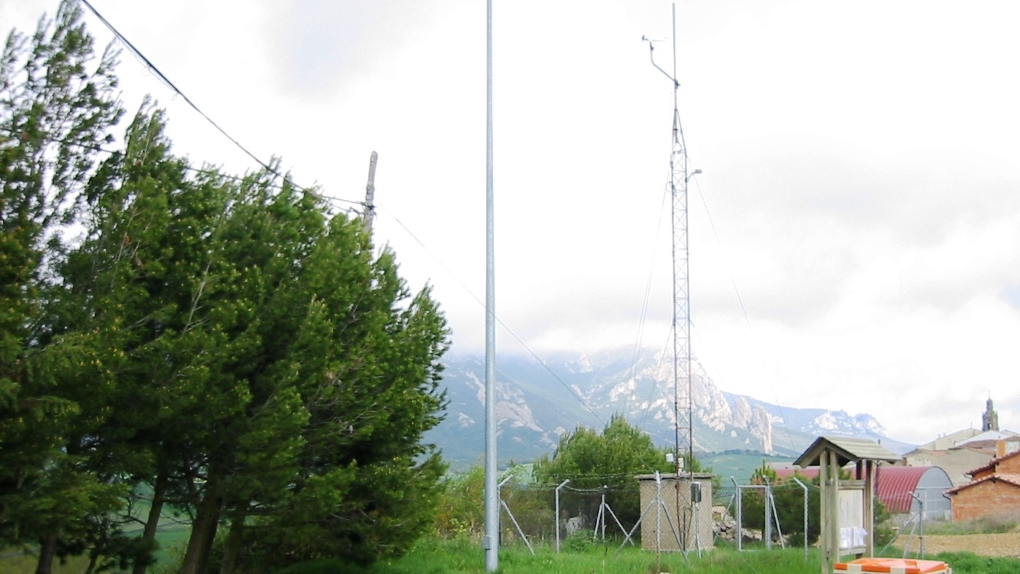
991, 545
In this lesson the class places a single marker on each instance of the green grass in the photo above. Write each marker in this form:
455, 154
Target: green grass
432, 556
26, 563
436, 557
172, 540
969, 563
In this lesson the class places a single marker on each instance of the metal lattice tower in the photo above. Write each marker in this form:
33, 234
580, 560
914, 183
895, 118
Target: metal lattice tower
683, 399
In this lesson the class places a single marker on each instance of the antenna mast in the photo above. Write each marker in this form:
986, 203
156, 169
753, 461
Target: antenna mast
683, 400
370, 192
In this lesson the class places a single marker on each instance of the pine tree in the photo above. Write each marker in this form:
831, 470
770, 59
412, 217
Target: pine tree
225, 344
56, 108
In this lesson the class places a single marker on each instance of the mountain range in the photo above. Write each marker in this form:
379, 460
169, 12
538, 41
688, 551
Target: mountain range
537, 402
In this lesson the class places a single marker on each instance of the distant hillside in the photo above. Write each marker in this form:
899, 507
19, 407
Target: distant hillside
535, 408
739, 465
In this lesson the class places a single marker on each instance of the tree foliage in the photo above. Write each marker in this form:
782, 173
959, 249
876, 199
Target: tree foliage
225, 344
611, 459
56, 107
789, 505
461, 512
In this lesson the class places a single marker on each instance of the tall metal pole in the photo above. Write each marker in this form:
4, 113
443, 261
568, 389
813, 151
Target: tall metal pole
490, 542
562, 484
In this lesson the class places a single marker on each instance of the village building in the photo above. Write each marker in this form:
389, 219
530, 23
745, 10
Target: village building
959, 452
993, 492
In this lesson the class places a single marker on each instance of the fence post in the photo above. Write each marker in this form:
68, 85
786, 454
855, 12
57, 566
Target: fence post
802, 485
658, 515
924, 510
740, 533
556, 518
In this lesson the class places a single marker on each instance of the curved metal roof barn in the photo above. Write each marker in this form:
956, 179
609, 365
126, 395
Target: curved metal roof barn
894, 485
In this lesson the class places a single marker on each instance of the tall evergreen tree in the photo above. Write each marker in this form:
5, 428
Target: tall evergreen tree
135, 281
266, 357
56, 107
224, 343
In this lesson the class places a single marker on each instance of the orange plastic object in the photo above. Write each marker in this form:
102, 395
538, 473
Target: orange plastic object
893, 566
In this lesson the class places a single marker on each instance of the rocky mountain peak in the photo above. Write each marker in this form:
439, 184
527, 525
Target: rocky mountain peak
536, 407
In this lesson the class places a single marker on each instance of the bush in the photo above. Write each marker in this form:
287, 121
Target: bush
580, 542
461, 509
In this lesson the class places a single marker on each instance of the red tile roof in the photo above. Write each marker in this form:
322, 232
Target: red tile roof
1013, 479
992, 463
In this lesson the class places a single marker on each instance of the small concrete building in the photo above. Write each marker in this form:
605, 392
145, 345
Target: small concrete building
660, 529
948, 441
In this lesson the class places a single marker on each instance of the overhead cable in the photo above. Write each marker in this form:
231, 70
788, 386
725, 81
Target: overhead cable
166, 81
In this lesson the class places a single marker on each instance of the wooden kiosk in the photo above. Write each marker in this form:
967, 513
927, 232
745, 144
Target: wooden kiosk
847, 506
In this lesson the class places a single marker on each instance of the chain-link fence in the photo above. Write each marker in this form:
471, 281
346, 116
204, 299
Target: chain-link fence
585, 515
567, 517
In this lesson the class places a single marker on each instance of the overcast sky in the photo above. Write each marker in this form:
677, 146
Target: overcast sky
860, 185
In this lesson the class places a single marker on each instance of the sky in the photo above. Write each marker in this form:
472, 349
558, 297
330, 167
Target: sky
854, 233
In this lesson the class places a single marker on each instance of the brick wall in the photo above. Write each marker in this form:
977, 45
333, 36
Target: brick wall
1010, 465
989, 499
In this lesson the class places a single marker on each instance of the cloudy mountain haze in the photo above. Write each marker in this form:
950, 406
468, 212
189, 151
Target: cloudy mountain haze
537, 404
854, 233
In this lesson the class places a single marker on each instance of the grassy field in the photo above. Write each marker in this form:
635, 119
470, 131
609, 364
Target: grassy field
172, 539
432, 556
26, 563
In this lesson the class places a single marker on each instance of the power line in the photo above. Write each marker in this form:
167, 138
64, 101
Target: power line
138, 54
223, 175
166, 81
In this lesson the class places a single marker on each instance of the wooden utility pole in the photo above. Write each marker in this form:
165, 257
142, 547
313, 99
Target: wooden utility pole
370, 193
